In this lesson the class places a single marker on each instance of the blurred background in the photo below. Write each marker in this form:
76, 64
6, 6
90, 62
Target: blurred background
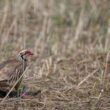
71, 39
54, 27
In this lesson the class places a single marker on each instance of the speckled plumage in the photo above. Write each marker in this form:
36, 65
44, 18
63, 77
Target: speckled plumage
11, 70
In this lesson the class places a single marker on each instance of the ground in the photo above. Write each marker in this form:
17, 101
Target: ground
70, 40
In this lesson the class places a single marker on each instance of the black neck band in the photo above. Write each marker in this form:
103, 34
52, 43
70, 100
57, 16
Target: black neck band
23, 58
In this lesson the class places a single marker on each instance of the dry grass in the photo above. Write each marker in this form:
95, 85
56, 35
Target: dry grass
71, 39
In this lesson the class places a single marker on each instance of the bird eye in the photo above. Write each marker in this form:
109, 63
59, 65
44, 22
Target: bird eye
21, 54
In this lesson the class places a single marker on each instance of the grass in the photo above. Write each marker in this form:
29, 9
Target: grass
71, 40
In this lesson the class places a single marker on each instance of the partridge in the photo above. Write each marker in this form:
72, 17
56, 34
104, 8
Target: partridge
12, 69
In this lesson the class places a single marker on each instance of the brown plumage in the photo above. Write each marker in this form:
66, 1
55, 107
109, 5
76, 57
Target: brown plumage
11, 70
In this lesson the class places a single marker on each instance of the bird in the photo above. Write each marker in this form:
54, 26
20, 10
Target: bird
12, 69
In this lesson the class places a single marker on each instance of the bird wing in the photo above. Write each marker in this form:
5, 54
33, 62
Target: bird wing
7, 68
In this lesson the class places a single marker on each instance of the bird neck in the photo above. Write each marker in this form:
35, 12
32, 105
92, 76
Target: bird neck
21, 58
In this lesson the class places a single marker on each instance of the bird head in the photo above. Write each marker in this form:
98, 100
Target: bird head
25, 54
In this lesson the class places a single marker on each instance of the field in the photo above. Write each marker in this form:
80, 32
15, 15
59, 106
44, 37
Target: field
71, 41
